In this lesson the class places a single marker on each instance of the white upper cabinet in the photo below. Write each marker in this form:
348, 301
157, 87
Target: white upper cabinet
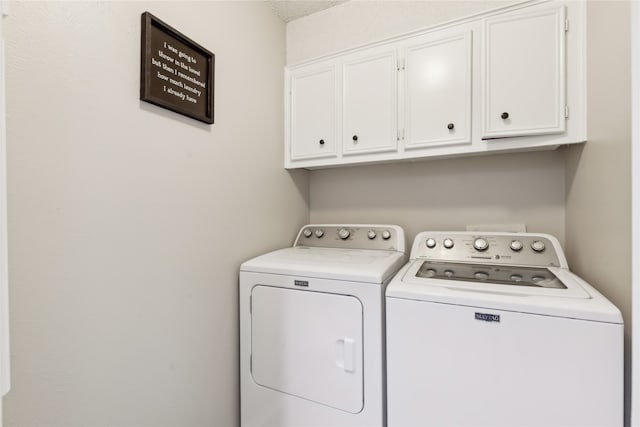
524, 69
509, 79
437, 90
369, 102
313, 113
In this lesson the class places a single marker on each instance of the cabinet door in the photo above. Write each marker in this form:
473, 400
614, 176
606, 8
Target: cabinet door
313, 113
438, 91
370, 103
524, 82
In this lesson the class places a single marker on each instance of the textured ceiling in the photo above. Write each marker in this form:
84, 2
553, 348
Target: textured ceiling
288, 10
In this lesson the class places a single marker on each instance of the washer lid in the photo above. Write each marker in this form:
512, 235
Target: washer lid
357, 265
566, 295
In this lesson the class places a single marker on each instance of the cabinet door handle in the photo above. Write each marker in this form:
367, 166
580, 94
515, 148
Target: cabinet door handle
322, 142
504, 115
355, 138
450, 126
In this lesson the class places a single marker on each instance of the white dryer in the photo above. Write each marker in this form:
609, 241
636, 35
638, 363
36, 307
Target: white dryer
494, 330
312, 328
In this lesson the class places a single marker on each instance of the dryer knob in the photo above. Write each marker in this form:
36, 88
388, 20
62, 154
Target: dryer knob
516, 245
431, 243
481, 244
344, 234
447, 243
386, 235
538, 246
307, 232
371, 234
319, 233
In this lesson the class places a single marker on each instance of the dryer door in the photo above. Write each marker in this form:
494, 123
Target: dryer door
308, 344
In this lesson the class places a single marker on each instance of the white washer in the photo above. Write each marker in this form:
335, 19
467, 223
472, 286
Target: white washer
312, 328
492, 329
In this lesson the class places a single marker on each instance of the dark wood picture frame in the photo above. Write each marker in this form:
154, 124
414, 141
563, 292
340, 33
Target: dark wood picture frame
176, 73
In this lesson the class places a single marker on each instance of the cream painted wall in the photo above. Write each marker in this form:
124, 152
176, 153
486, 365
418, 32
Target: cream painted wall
439, 194
359, 22
598, 174
446, 194
127, 222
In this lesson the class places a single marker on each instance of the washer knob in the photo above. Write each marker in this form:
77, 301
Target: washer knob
516, 245
481, 275
319, 233
343, 233
481, 244
371, 234
307, 232
516, 277
538, 246
431, 243
386, 235
448, 243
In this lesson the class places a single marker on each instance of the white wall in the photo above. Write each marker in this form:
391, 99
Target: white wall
598, 207
439, 194
127, 223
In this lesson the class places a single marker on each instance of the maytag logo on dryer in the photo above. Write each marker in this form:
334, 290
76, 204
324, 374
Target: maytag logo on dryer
488, 317
303, 283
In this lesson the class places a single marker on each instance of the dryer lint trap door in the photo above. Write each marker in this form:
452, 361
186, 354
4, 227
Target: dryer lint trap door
309, 345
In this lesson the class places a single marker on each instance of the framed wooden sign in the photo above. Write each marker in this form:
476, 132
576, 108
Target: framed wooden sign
175, 72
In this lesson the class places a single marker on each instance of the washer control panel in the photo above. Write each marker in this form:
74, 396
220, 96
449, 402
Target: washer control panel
352, 236
492, 248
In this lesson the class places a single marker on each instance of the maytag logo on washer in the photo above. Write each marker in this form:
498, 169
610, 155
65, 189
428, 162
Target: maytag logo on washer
487, 317
301, 283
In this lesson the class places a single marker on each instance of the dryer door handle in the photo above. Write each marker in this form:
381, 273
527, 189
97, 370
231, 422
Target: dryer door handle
346, 354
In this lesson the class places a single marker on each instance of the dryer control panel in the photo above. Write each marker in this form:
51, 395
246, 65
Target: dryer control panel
526, 249
352, 236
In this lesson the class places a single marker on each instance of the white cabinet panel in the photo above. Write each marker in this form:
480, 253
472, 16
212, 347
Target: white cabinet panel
370, 103
313, 113
525, 73
438, 91
298, 349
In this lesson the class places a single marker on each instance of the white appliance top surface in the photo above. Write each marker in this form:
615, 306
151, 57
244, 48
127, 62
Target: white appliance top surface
357, 265
471, 280
578, 301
